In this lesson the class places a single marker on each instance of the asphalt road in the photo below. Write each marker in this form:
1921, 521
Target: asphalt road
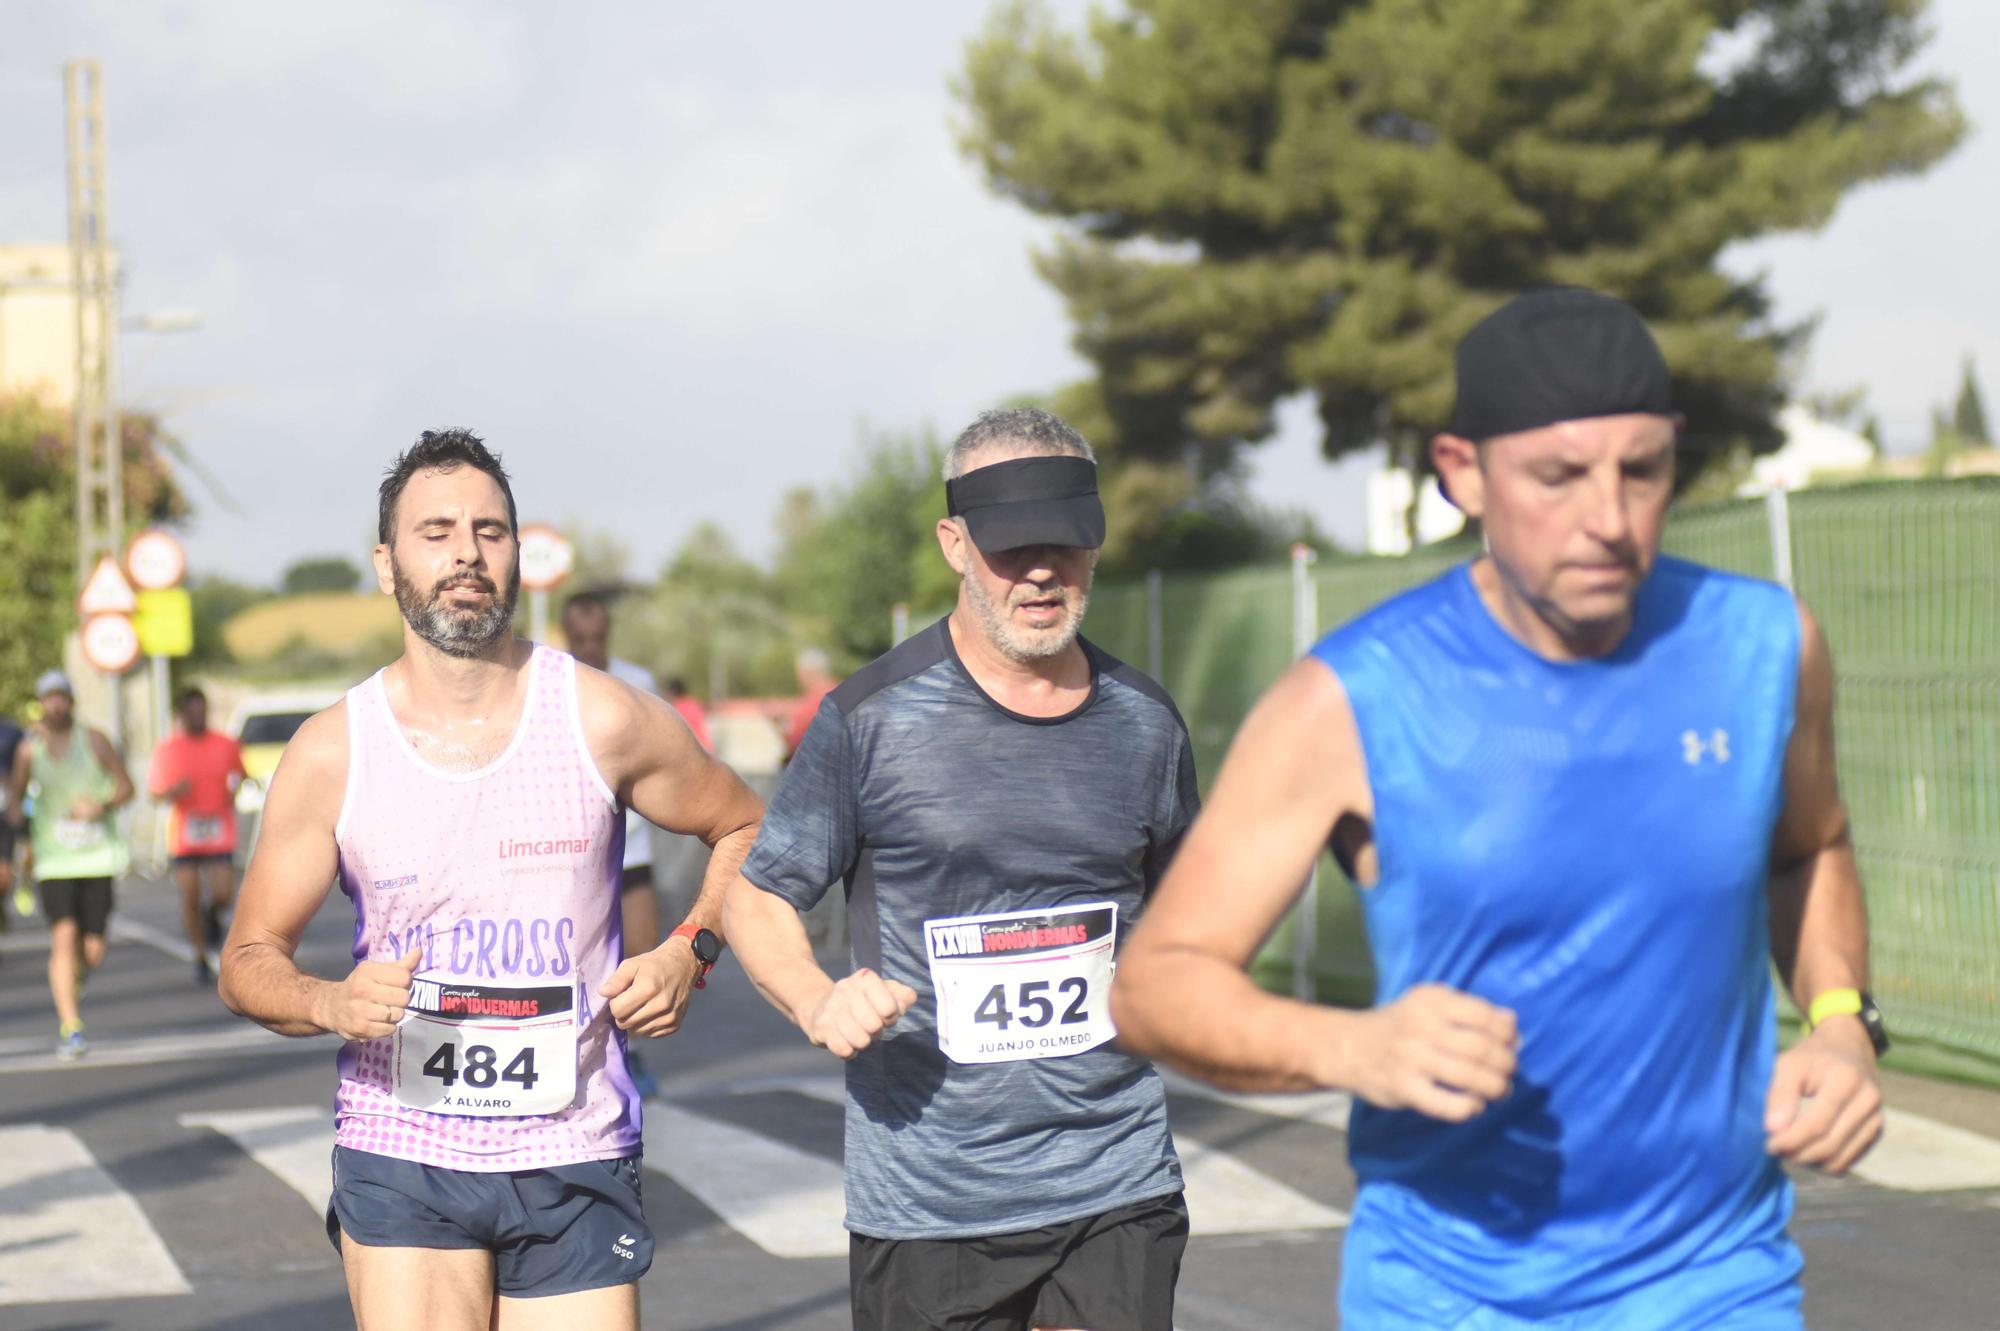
170, 1180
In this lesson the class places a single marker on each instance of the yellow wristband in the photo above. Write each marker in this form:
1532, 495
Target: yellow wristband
1833, 1003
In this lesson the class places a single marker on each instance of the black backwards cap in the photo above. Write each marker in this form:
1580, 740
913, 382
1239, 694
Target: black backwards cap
1029, 501
1557, 354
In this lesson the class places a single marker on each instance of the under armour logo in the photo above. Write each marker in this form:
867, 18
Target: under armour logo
1694, 747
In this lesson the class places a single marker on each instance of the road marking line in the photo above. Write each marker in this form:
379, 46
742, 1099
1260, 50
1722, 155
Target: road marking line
1327, 1108
131, 931
232, 1041
788, 1202
1917, 1154
67, 1231
296, 1144
1226, 1196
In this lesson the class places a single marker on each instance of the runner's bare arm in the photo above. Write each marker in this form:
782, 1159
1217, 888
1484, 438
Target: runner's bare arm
653, 761
114, 763
1819, 938
17, 783
650, 758
1182, 994
289, 876
842, 1017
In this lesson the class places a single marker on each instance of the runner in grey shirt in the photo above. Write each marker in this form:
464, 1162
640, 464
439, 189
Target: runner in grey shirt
998, 797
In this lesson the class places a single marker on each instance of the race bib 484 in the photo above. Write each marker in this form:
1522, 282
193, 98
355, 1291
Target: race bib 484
1023, 984
487, 1050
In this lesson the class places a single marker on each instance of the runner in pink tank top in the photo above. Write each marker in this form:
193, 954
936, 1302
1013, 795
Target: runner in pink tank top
507, 878
469, 798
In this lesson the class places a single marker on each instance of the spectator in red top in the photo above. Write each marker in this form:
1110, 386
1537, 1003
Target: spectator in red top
816, 681
197, 771
691, 711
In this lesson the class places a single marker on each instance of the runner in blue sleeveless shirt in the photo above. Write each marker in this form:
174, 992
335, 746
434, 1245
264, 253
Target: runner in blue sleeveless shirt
1589, 795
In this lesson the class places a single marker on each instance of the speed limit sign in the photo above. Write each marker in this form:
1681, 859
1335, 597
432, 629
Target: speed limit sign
110, 643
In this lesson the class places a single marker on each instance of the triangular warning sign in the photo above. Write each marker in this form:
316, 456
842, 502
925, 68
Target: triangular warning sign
106, 592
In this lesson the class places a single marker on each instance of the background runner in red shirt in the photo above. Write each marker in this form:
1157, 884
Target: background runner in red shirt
197, 770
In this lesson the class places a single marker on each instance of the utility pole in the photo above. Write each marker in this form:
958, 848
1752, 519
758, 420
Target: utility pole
100, 500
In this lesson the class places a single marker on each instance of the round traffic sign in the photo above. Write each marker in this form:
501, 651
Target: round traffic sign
155, 560
546, 556
110, 643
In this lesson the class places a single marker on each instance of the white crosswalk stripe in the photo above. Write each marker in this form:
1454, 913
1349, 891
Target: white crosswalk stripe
67, 1231
296, 1144
1224, 1195
787, 1201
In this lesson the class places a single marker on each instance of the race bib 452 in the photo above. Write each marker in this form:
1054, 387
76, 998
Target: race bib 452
1023, 984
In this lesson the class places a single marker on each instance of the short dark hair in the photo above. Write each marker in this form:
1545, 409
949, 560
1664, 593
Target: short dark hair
585, 603
677, 687
439, 450
188, 695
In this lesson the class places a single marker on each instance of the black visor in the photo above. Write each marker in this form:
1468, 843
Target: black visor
1030, 501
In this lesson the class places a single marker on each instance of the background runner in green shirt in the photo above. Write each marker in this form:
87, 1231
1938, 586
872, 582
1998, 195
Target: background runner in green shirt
78, 781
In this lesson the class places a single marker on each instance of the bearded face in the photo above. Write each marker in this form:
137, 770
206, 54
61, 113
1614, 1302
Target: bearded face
1030, 602
462, 614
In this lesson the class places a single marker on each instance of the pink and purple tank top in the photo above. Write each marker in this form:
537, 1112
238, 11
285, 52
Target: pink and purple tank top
508, 878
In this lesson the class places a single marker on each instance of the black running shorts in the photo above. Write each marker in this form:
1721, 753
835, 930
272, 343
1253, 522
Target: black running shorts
85, 900
1110, 1272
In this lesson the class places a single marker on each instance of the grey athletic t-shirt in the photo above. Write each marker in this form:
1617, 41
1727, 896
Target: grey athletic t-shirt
930, 800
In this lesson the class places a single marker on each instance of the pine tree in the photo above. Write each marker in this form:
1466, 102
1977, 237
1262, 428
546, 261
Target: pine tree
1969, 415
1273, 196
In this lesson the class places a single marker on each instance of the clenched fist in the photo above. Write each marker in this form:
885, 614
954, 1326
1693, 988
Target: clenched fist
855, 1010
371, 1000
1440, 1052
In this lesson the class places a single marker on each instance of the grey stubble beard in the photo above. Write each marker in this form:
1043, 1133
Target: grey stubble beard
462, 634
1027, 648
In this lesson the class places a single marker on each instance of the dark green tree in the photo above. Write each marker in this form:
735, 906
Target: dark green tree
1968, 416
712, 618
1281, 196
849, 555
323, 573
38, 530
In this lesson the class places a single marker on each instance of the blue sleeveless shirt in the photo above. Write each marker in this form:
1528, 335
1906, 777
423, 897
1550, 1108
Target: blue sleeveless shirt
1587, 843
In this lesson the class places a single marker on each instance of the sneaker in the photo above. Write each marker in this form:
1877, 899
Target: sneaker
642, 1080
24, 901
71, 1045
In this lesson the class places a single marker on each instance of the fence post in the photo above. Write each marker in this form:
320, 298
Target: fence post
1305, 916
1156, 652
1778, 508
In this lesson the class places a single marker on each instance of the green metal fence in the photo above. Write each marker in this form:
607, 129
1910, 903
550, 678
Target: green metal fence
1905, 579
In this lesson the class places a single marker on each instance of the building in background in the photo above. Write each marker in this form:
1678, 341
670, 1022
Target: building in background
1389, 494
37, 324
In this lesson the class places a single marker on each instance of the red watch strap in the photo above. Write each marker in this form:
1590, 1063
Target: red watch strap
688, 931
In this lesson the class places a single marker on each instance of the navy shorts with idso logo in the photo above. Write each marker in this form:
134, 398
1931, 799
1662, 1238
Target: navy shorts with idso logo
551, 1231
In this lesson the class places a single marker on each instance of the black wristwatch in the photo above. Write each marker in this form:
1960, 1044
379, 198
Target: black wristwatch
1858, 1003
1871, 1021
707, 950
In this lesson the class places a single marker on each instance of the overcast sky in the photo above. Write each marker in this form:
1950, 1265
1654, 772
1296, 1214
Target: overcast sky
667, 257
